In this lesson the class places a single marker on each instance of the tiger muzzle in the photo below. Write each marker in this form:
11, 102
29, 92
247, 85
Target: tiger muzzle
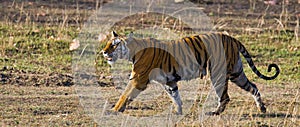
108, 57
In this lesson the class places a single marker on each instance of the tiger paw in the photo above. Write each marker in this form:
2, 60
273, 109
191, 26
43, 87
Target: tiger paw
212, 113
263, 109
122, 109
111, 112
176, 112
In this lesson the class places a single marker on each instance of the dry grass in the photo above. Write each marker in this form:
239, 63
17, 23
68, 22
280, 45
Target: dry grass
36, 73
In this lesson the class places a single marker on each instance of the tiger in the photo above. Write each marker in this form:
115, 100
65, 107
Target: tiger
184, 59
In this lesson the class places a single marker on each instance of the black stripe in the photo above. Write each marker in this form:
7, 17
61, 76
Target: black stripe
169, 63
177, 77
233, 76
223, 40
189, 46
205, 54
135, 55
174, 44
227, 52
180, 43
245, 84
149, 66
199, 41
174, 89
133, 59
165, 60
234, 52
186, 56
197, 53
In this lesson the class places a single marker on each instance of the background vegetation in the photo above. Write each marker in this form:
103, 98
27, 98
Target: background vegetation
36, 87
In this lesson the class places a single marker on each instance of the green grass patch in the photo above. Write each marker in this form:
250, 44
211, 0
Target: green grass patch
36, 48
268, 48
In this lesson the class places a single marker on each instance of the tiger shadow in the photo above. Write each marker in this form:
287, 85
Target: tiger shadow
272, 115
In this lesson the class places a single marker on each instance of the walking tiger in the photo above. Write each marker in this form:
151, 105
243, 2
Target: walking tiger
182, 59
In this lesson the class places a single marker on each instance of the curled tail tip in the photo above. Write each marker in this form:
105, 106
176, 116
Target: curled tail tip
276, 68
273, 66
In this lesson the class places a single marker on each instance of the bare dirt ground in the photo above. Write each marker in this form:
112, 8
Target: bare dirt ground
39, 98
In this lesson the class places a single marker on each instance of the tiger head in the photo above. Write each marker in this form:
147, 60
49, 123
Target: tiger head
115, 47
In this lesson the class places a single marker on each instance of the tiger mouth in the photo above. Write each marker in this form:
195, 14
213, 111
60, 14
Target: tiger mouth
109, 58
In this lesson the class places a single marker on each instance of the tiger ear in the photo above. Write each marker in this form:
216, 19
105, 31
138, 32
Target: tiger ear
130, 35
114, 34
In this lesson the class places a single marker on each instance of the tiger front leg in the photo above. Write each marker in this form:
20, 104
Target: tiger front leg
172, 90
127, 96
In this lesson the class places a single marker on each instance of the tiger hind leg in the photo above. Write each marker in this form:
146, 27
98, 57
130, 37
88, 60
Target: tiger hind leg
172, 89
243, 82
222, 93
